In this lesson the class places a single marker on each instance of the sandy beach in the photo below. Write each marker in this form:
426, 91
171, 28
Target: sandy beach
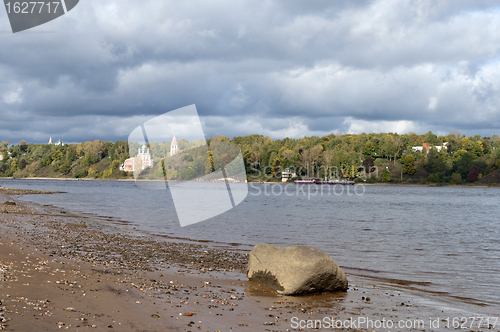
66, 271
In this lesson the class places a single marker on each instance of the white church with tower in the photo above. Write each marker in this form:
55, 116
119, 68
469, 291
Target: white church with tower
145, 156
174, 148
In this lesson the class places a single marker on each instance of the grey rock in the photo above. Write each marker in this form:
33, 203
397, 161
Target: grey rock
295, 270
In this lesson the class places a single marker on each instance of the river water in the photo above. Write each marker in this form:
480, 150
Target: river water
442, 240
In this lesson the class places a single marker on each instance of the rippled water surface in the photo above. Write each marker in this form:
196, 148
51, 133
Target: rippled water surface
441, 239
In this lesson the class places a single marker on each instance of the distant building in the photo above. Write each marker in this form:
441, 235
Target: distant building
427, 147
174, 148
59, 142
287, 174
145, 157
444, 146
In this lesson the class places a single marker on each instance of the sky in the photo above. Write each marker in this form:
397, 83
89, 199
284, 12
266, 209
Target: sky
279, 68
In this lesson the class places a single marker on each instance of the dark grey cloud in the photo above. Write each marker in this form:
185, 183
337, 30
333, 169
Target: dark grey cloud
279, 68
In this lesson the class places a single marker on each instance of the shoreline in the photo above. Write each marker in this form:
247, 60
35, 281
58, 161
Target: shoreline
99, 275
469, 185
401, 184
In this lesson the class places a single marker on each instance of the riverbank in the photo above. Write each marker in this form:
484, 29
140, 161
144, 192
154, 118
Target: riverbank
403, 184
64, 270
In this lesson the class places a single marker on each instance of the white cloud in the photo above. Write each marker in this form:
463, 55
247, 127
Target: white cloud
276, 68
363, 126
13, 96
433, 101
207, 33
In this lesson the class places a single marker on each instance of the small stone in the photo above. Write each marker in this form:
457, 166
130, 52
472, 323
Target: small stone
70, 309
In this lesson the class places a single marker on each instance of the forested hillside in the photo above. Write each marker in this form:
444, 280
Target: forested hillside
453, 158
90, 159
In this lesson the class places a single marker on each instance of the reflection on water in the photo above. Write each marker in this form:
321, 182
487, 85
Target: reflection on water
442, 240
318, 300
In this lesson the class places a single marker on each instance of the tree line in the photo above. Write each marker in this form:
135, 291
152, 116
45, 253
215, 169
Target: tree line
387, 157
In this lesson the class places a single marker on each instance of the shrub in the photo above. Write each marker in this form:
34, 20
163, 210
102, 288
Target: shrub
46, 161
80, 173
386, 175
456, 178
55, 166
115, 165
64, 168
371, 180
434, 178
89, 159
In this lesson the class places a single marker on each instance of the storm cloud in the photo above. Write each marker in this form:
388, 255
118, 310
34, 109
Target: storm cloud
278, 68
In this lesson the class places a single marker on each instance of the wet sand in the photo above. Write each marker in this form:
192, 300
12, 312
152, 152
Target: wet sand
63, 270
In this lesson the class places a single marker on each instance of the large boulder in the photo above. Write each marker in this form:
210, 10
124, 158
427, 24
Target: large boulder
295, 270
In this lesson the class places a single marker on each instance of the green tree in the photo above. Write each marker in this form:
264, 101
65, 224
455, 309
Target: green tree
481, 165
369, 149
209, 163
386, 176
409, 164
55, 166
71, 154
434, 162
464, 165
23, 146
478, 149
46, 161
13, 165
187, 174
64, 168
4, 151
115, 164
465, 144
431, 138
275, 167
434, 178
456, 178
90, 158
56, 155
